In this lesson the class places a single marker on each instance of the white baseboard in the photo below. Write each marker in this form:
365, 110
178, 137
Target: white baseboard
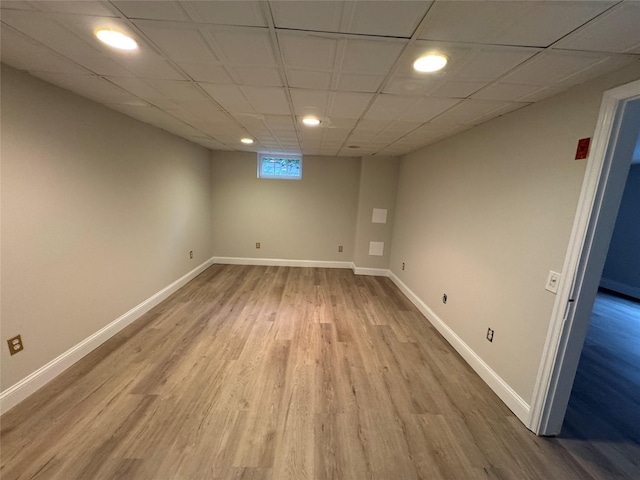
28, 385
620, 287
376, 272
281, 262
517, 405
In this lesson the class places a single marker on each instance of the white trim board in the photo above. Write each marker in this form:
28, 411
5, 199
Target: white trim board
38, 379
280, 262
374, 272
509, 396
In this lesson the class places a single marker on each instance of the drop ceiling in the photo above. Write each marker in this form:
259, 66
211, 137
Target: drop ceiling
216, 71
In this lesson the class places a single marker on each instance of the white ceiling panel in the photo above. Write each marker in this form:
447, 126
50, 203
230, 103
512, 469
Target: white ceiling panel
77, 7
615, 31
205, 72
265, 77
348, 105
24, 53
371, 56
225, 12
178, 42
91, 86
555, 66
308, 52
309, 79
152, 10
215, 71
242, 45
526, 23
268, 100
310, 102
353, 82
231, 97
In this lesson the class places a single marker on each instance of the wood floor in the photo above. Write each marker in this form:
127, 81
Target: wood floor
281, 373
604, 409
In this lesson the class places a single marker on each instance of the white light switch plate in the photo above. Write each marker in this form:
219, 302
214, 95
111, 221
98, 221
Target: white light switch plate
553, 280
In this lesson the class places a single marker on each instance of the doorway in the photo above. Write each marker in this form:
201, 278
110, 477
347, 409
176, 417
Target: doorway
607, 170
604, 407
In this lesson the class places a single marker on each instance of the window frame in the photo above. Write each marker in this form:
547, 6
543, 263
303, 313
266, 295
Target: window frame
288, 156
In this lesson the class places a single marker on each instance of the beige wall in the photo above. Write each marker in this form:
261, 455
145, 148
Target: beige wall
292, 219
378, 183
483, 216
99, 212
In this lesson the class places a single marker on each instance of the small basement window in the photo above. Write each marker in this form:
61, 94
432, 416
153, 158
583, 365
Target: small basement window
288, 167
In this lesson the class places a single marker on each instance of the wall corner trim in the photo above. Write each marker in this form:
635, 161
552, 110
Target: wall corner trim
280, 262
376, 272
38, 379
515, 403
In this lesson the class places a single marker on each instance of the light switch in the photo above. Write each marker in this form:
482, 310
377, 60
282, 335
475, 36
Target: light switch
553, 280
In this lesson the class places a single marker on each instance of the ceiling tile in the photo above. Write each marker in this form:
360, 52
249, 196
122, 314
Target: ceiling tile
352, 82
205, 72
556, 66
23, 53
614, 31
241, 45
308, 52
371, 56
310, 102
231, 97
178, 42
77, 7
392, 19
258, 76
268, 100
225, 12
309, 79
535, 23
348, 105
152, 10
507, 92
91, 86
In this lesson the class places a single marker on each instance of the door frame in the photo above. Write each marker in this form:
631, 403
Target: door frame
592, 228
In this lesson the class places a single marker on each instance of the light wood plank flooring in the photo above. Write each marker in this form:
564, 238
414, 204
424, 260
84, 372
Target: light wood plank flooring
280, 373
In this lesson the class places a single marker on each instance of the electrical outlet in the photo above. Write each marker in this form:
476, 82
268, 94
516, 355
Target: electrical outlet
191, 254
340, 248
15, 344
490, 334
257, 244
402, 265
444, 298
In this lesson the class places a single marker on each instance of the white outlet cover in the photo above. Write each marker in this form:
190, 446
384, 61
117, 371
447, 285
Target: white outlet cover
553, 280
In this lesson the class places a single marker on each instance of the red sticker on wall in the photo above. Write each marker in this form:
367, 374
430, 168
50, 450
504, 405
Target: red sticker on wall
583, 148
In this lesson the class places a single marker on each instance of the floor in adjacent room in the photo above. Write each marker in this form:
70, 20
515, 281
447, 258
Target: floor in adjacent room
602, 424
253, 372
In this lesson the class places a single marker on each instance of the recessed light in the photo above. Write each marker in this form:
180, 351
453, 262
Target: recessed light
311, 121
247, 140
116, 39
430, 63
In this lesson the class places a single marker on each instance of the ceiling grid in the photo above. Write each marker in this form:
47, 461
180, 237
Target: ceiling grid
216, 71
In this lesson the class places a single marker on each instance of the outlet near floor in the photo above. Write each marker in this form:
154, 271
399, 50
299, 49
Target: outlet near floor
490, 334
15, 344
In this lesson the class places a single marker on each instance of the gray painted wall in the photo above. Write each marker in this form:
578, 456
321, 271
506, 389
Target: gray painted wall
99, 212
622, 269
